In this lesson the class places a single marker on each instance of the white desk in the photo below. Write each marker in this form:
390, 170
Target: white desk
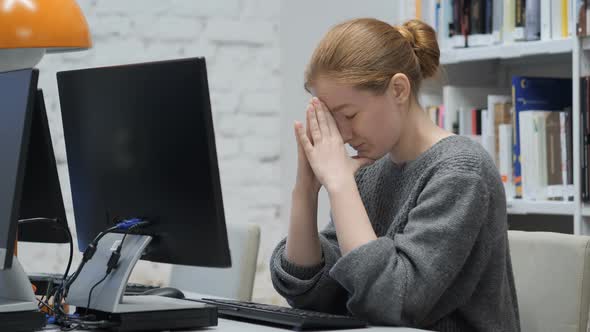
228, 325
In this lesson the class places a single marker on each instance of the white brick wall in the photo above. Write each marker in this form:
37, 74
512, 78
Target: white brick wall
239, 39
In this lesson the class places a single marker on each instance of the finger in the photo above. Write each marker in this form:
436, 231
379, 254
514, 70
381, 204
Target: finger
316, 134
303, 140
331, 121
296, 132
321, 115
308, 127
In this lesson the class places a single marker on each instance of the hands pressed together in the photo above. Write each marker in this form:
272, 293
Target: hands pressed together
322, 157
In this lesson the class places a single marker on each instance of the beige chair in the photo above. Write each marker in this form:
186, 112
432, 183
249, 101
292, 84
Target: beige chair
552, 276
236, 282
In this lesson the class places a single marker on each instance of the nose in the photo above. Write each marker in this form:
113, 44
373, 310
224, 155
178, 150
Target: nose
345, 129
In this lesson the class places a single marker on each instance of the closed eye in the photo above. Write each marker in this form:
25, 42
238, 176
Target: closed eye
350, 116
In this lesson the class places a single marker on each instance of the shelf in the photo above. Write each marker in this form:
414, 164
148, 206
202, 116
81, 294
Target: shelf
509, 51
519, 206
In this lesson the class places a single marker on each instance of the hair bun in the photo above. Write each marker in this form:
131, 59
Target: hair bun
422, 37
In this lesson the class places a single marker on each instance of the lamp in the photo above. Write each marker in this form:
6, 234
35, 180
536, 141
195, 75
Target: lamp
30, 28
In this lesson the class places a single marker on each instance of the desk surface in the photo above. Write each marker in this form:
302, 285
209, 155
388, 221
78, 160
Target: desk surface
228, 325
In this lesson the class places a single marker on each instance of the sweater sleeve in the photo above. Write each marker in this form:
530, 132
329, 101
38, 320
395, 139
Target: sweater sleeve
310, 287
400, 279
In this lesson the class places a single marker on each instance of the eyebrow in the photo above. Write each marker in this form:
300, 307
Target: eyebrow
339, 107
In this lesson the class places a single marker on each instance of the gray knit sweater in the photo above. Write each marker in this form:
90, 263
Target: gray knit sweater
441, 260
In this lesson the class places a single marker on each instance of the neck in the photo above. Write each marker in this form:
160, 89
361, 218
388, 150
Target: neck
419, 133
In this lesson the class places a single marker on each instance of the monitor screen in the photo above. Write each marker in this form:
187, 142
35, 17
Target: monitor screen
41, 194
140, 144
17, 95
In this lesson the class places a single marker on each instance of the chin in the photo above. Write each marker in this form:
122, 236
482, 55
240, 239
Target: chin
366, 155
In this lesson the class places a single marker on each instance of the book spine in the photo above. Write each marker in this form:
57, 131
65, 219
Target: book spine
556, 19
519, 20
563, 143
564, 18
581, 18
497, 21
505, 158
545, 19
584, 131
517, 178
533, 20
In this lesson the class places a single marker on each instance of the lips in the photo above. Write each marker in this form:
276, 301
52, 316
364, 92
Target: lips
357, 147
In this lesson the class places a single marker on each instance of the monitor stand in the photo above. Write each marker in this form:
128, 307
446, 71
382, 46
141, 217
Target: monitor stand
18, 308
137, 312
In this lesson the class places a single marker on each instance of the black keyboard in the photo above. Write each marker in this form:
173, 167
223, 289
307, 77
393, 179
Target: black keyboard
296, 318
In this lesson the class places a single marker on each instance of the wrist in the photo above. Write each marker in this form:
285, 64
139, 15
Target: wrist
306, 184
342, 184
305, 190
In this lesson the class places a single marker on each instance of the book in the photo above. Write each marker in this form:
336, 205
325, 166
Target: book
533, 154
535, 94
497, 21
500, 109
582, 16
532, 23
556, 17
519, 20
505, 158
584, 131
555, 185
509, 18
465, 97
545, 19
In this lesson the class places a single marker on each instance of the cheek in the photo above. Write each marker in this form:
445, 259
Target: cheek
342, 123
385, 132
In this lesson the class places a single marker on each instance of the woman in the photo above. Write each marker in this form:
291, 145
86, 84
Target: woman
418, 234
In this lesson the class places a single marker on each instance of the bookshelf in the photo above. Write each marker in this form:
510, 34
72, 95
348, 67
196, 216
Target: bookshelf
460, 67
509, 51
493, 66
524, 207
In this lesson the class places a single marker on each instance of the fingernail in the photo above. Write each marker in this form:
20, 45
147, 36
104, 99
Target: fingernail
315, 100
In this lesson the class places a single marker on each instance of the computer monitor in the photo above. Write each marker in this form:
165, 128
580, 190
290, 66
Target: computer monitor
41, 191
17, 98
140, 143
18, 308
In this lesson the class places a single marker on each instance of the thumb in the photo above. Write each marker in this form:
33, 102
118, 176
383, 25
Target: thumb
360, 162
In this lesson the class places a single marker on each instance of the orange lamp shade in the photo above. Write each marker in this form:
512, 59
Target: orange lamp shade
55, 25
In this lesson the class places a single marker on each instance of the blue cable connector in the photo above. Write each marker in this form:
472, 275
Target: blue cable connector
126, 224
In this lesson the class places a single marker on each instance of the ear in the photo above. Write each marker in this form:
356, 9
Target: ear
400, 88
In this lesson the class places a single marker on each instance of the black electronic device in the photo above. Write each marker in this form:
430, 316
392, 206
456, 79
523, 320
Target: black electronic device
17, 99
18, 309
138, 289
277, 315
140, 145
41, 191
165, 291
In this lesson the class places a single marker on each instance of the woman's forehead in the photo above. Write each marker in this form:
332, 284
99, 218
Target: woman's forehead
334, 94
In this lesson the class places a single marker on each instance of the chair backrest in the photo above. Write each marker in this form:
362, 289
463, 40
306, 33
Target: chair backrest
552, 277
236, 282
